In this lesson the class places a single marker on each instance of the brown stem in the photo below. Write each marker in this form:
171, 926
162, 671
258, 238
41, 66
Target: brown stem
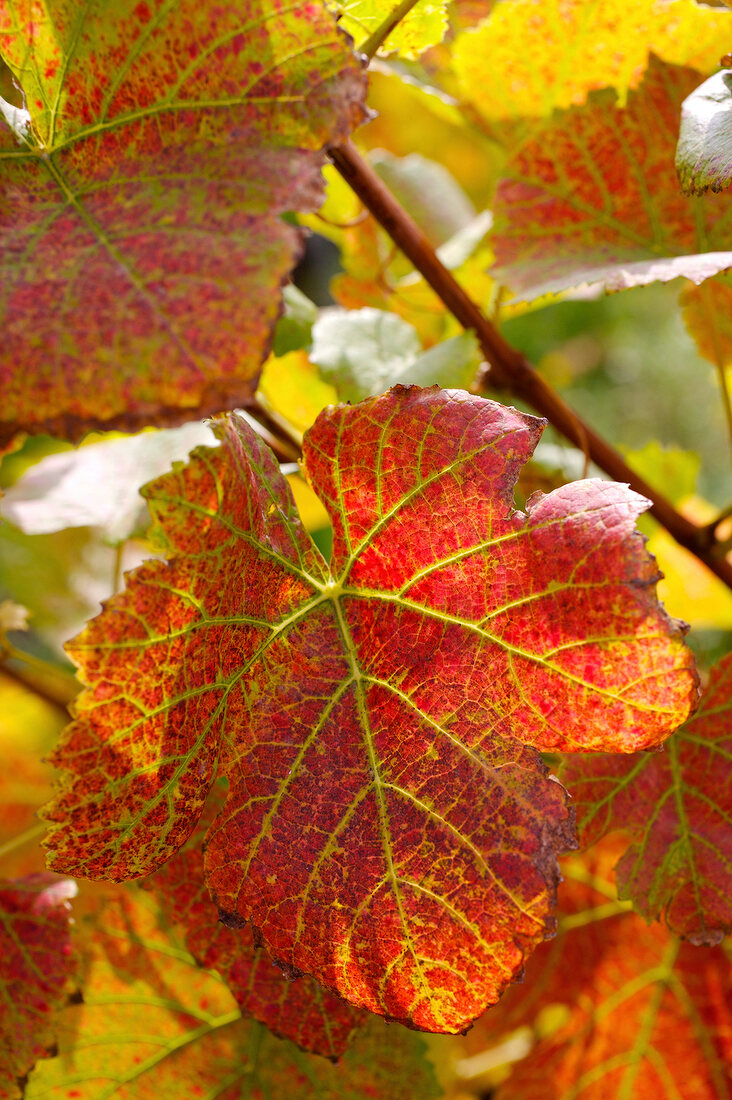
509, 369
382, 32
285, 447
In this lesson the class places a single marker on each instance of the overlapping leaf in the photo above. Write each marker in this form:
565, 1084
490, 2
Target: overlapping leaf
35, 965
300, 1011
153, 1025
594, 198
677, 806
142, 252
544, 54
389, 827
413, 33
648, 1017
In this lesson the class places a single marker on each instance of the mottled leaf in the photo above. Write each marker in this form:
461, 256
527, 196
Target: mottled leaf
594, 198
153, 1026
35, 965
300, 1010
364, 351
97, 485
390, 828
704, 151
677, 807
142, 251
645, 1016
544, 54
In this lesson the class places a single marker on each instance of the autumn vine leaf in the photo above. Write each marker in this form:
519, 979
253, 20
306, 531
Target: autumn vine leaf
143, 170
676, 807
586, 213
301, 1011
645, 1015
37, 962
389, 828
183, 1035
546, 54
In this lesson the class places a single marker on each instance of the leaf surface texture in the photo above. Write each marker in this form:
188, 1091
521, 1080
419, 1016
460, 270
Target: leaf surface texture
142, 248
390, 828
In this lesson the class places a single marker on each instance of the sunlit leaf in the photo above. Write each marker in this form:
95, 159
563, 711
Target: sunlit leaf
291, 385
423, 26
671, 470
154, 1025
532, 56
35, 966
689, 590
644, 1017
389, 827
299, 1010
28, 728
676, 805
142, 249
577, 206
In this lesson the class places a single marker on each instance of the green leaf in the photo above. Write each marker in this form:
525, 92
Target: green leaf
704, 151
364, 351
294, 328
428, 191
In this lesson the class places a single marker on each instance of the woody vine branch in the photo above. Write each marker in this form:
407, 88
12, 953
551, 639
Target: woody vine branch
509, 370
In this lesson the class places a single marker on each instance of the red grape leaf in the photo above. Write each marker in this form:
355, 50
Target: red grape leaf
154, 1026
35, 950
648, 1017
677, 807
389, 827
142, 251
302, 1011
577, 205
